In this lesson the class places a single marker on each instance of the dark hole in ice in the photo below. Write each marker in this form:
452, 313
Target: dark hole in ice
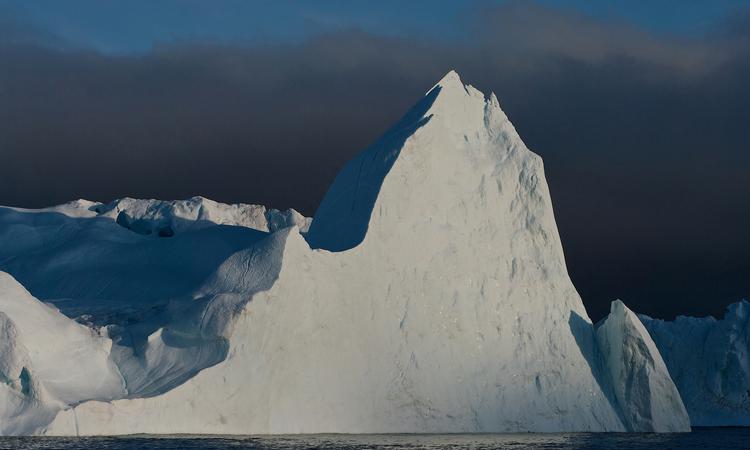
166, 231
25, 378
143, 226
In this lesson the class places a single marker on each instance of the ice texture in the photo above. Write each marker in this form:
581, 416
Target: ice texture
166, 218
430, 294
644, 389
709, 361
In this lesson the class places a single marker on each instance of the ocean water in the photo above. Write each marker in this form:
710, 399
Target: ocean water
700, 438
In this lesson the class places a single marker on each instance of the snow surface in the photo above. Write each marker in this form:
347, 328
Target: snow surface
22, 400
47, 361
166, 218
81, 256
147, 216
709, 361
430, 294
644, 389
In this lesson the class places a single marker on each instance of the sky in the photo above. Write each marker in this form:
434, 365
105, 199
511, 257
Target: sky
640, 110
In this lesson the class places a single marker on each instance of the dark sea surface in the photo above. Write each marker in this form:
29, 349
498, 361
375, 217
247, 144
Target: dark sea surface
700, 438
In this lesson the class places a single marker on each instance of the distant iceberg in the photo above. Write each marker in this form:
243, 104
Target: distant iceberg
709, 361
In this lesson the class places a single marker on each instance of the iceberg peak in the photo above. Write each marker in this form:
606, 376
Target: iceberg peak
450, 80
444, 135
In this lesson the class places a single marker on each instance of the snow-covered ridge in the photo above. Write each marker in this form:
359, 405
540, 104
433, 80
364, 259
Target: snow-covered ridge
101, 260
709, 360
167, 217
82, 258
430, 294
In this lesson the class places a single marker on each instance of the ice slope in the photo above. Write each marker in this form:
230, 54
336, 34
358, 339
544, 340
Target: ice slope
88, 250
431, 295
87, 264
709, 361
60, 363
163, 351
645, 392
22, 400
47, 361
64, 353
142, 287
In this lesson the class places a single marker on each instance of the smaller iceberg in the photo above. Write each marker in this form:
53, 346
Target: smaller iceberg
709, 360
647, 396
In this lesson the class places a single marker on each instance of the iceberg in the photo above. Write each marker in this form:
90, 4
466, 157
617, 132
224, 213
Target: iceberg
709, 361
644, 389
428, 294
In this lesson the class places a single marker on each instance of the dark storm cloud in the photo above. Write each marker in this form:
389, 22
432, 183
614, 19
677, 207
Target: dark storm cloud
645, 138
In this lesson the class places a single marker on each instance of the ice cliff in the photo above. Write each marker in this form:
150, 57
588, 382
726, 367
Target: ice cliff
430, 294
709, 361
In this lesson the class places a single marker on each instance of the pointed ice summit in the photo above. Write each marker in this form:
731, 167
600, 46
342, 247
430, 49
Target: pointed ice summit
429, 295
